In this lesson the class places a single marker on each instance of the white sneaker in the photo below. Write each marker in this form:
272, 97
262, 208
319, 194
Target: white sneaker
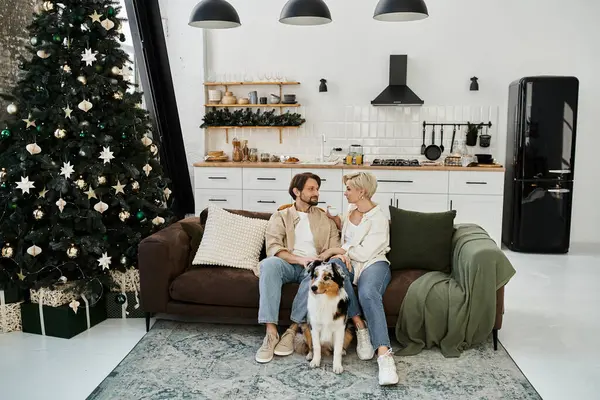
387, 369
364, 348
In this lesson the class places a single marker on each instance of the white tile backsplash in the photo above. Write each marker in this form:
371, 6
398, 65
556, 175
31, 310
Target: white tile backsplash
384, 132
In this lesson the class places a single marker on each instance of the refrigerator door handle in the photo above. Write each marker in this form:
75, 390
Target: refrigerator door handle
560, 171
559, 191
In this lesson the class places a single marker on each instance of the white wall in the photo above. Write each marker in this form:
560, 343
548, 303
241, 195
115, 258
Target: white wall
496, 40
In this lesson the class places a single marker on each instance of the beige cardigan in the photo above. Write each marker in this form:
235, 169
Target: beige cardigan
371, 241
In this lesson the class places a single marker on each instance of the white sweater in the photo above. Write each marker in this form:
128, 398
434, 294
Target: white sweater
371, 240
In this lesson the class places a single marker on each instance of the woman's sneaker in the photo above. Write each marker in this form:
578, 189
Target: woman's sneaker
364, 348
387, 369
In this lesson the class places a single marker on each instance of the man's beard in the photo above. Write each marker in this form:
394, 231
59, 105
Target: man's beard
311, 201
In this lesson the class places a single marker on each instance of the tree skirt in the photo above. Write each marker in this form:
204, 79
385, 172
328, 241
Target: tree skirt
204, 361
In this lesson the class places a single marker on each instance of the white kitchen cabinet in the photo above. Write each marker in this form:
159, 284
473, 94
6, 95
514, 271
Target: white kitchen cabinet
266, 178
224, 198
485, 211
265, 200
331, 179
218, 178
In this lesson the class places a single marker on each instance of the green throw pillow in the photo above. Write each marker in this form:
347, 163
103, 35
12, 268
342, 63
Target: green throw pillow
421, 240
195, 231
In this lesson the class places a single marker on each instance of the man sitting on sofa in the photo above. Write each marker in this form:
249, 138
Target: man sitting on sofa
295, 237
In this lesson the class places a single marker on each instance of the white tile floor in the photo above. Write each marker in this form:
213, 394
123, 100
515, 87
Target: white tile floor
551, 329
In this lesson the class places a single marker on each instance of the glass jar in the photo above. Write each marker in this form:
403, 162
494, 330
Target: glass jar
245, 150
253, 155
265, 157
237, 155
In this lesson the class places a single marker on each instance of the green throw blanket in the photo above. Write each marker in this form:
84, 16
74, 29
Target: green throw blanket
455, 311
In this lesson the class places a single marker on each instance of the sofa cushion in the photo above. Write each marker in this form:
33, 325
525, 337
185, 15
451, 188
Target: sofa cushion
421, 240
222, 286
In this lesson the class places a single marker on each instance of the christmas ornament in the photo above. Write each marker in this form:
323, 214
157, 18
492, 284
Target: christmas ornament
147, 168
101, 207
81, 134
66, 68
101, 126
95, 16
84, 124
106, 155
60, 133
114, 82
167, 193
33, 41
74, 305
28, 122
82, 79
34, 251
47, 6
107, 24
140, 215
67, 169
123, 136
146, 141
3, 175
39, 128
89, 57
101, 180
56, 38
118, 96
63, 279
115, 71
67, 43
104, 261
124, 215
33, 148
38, 214
135, 186
123, 260
68, 112
42, 194
158, 221
43, 54
122, 37
25, 185
91, 194
81, 183
72, 252
6, 133
61, 204
7, 251
85, 106
119, 188
21, 276
82, 153
153, 149
12, 109
111, 11
120, 299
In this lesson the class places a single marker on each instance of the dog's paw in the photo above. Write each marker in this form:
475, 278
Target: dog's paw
309, 356
343, 352
315, 363
338, 369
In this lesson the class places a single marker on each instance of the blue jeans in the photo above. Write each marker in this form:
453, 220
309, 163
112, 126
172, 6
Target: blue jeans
372, 284
300, 306
274, 273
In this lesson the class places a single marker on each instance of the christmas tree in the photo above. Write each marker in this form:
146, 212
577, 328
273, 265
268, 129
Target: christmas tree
80, 179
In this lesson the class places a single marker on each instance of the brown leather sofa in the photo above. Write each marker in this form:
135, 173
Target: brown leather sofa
169, 285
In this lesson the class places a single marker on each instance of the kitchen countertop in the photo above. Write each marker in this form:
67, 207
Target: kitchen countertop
367, 167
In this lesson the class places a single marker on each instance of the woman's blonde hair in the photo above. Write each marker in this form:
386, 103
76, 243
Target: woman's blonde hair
362, 181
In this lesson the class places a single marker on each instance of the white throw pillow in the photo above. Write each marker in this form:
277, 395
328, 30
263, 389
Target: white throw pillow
231, 240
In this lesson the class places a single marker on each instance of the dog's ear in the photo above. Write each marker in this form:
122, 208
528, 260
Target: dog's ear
312, 266
338, 274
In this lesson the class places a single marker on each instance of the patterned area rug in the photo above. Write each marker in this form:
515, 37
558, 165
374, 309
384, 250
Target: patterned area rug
203, 361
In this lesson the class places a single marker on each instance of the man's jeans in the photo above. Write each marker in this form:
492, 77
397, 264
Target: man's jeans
275, 272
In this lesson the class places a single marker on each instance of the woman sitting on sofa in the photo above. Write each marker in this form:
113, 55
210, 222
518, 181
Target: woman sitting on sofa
365, 242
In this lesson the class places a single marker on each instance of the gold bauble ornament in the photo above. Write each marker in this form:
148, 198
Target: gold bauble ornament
115, 71
12, 109
38, 214
82, 79
8, 251
153, 149
48, 6
73, 251
81, 183
102, 180
124, 215
3, 175
60, 133
135, 185
123, 260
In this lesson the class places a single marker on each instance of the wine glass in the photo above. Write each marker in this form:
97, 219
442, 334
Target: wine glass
269, 76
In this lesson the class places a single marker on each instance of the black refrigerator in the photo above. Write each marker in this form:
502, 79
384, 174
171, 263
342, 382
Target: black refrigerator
540, 164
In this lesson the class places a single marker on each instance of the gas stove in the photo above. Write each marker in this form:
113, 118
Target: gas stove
400, 162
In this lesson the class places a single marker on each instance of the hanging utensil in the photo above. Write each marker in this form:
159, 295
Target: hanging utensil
453, 136
423, 146
433, 152
442, 142
484, 140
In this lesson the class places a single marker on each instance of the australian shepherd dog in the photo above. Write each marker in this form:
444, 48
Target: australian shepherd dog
327, 315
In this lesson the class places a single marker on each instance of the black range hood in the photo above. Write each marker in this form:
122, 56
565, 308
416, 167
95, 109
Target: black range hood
397, 93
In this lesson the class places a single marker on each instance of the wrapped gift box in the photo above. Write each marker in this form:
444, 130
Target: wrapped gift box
115, 308
11, 293
123, 282
10, 317
57, 297
62, 321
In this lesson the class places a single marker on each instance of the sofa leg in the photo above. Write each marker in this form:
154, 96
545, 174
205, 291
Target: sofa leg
495, 337
148, 315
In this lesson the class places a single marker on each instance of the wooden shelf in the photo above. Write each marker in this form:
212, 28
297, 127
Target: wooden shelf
227, 128
248, 83
253, 105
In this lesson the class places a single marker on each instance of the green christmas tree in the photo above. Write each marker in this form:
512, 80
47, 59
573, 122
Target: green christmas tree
80, 179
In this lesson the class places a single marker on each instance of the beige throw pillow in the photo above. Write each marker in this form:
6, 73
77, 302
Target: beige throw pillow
231, 240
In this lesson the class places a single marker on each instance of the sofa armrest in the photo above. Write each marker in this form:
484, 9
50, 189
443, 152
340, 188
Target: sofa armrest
162, 257
481, 268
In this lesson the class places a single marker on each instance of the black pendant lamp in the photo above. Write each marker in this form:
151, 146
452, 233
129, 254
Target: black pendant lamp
400, 10
214, 14
305, 12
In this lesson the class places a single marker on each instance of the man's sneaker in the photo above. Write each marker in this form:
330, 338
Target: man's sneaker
265, 353
364, 348
387, 369
285, 347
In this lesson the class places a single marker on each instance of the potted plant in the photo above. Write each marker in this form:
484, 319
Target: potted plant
472, 132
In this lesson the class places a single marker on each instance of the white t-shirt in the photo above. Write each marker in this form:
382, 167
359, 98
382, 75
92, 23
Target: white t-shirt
304, 245
350, 232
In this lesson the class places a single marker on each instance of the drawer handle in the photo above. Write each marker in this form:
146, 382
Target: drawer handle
323, 180
266, 202
476, 183
322, 202
266, 179
559, 191
218, 200
218, 177
392, 181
